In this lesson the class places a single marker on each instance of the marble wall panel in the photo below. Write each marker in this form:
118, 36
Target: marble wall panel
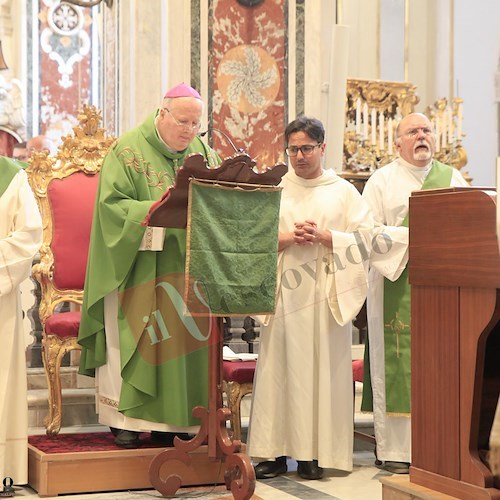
62, 57
247, 77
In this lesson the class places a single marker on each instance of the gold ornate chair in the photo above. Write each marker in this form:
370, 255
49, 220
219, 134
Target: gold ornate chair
65, 186
237, 383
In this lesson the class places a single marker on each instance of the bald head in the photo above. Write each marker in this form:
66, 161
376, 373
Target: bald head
415, 139
410, 119
39, 143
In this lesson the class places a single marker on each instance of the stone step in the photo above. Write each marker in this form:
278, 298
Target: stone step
78, 409
78, 396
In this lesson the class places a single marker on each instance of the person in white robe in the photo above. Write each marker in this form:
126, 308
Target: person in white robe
20, 239
302, 403
387, 192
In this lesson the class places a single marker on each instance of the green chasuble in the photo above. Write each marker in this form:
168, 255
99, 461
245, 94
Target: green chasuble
397, 318
164, 362
8, 170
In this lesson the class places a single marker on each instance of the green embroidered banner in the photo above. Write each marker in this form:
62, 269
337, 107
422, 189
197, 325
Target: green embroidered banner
232, 247
397, 319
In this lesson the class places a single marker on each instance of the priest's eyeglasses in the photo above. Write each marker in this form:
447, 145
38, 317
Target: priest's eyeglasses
192, 126
306, 149
414, 132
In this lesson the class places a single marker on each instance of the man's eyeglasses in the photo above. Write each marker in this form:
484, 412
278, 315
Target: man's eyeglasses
414, 132
194, 127
306, 150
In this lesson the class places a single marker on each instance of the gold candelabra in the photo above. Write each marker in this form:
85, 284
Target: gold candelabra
373, 109
447, 119
367, 157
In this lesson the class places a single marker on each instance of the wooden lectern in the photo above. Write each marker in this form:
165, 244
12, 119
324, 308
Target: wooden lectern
454, 271
173, 466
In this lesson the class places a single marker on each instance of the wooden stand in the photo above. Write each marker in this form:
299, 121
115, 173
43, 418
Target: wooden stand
454, 271
52, 474
239, 475
172, 212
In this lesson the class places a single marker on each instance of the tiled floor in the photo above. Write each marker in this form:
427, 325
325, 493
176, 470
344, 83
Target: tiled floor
361, 484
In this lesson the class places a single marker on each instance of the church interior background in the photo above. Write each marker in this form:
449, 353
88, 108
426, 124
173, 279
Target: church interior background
357, 65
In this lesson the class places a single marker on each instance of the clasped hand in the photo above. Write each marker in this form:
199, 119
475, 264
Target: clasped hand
306, 233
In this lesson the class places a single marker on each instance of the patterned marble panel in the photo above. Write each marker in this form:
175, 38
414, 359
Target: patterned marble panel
109, 69
300, 58
64, 46
195, 44
247, 66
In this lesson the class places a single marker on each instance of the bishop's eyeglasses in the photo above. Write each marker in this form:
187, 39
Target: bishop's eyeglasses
192, 126
306, 149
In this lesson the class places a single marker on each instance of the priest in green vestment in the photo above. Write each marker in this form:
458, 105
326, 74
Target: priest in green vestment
149, 356
388, 304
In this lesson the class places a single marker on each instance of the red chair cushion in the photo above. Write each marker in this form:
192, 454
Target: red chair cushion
63, 325
357, 370
72, 205
239, 371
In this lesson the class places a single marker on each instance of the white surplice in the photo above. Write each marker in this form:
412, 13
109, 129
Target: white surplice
302, 403
387, 192
20, 239
109, 381
108, 377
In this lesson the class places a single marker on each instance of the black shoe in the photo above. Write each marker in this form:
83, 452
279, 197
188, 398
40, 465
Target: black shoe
397, 467
167, 438
269, 469
309, 470
127, 439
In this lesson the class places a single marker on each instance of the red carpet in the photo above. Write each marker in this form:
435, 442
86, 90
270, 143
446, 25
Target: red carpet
72, 443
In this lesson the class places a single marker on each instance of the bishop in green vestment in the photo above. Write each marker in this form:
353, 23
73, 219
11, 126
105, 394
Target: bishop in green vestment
149, 358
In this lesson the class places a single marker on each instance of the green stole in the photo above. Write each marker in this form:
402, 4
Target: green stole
8, 170
397, 320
